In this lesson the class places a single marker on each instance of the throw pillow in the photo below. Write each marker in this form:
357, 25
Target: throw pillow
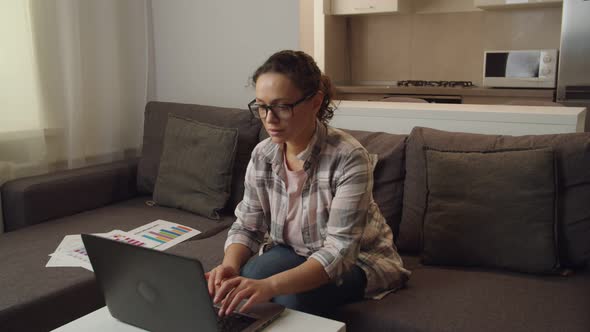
156, 118
572, 154
494, 209
196, 167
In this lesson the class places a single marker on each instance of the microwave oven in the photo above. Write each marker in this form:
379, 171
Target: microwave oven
520, 69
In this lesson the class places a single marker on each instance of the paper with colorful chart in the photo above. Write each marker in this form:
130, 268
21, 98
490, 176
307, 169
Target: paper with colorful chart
158, 235
162, 234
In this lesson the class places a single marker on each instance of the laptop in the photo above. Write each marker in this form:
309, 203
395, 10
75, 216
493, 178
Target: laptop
158, 291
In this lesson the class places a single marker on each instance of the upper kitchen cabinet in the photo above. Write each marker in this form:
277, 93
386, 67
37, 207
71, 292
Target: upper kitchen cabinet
508, 4
443, 6
353, 7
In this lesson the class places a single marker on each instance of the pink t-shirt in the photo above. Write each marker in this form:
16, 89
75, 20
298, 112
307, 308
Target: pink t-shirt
293, 225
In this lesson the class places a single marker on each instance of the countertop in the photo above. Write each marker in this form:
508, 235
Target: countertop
428, 90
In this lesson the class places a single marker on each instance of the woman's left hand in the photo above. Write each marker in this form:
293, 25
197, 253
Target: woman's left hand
234, 290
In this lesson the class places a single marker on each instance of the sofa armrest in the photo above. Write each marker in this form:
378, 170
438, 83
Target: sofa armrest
32, 200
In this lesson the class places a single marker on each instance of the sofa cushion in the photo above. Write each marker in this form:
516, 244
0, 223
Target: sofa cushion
388, 176
156, 118
493, 209
55, 296
209, 251
196, 167
572, 152
438, 299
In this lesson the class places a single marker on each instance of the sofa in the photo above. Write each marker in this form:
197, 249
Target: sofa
540, 282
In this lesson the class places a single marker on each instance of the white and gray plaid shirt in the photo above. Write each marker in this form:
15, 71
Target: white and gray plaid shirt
341, 225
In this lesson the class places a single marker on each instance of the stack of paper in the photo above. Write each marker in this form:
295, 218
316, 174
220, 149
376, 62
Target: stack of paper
159, 235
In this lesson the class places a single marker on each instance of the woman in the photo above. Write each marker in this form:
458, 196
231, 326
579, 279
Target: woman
309, 188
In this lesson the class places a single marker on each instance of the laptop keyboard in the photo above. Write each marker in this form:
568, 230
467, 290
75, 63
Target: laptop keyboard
233, 322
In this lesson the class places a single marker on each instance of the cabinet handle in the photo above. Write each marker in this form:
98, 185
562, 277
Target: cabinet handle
364, 8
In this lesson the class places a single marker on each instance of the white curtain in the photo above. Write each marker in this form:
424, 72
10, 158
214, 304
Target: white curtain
73, 83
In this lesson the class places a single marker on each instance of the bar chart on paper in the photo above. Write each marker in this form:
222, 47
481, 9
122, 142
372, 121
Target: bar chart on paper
122, 236
128, 240
162, 234
79, 253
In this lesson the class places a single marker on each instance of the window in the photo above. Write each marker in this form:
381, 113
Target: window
19, 93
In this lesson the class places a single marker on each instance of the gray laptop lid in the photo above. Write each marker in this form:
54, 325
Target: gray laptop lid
158, 291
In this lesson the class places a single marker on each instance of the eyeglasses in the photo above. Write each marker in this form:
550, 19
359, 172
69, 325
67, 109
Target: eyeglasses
281, 111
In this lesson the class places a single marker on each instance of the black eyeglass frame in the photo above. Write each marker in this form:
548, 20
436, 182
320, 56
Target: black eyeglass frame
290, 107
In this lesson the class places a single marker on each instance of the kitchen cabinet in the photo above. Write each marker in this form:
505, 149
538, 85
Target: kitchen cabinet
508, 4
457, 99
353, 7
443, 6
360, 96
438, 99
485, 100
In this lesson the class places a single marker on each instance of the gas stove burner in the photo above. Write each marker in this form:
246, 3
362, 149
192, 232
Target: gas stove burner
444, 84
411, 83
461, 84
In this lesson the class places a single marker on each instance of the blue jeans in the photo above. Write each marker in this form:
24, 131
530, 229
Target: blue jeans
317, 301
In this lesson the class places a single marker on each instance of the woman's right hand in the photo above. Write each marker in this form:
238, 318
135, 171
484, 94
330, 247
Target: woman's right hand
217, 275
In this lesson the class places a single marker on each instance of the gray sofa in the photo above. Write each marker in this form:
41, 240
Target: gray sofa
39, 211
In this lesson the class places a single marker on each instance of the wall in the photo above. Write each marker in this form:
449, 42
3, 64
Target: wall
443, 46
205, 51
306, 26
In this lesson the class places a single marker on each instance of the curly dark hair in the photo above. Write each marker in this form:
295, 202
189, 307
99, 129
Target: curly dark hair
303, 71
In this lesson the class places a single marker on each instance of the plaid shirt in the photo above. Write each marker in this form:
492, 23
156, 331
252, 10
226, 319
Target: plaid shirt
341, 225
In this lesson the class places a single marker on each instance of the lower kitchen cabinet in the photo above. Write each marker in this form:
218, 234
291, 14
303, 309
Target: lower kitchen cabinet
523, 101
453, 99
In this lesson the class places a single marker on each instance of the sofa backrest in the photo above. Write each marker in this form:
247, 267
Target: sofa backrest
31, 200
156, 119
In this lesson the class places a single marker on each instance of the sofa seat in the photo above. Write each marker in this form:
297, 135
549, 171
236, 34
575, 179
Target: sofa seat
459, 299
209, 251
37, 298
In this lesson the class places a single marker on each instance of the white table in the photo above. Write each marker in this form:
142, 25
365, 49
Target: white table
290, 320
